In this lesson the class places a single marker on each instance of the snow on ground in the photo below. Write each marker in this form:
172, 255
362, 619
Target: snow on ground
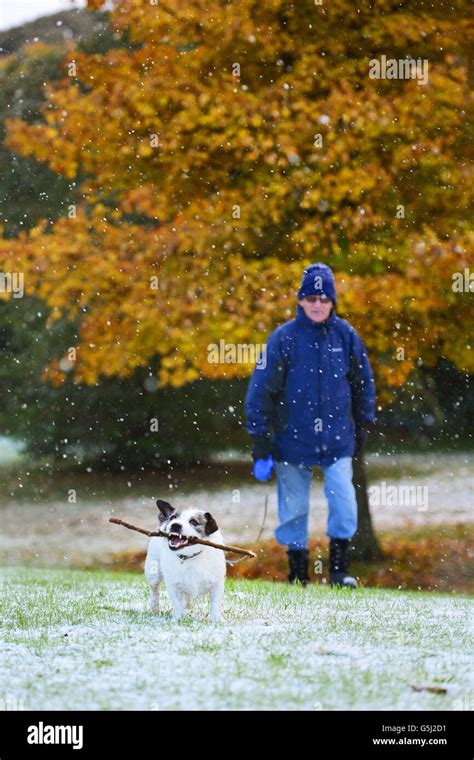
62, 534
77, 640
10, 451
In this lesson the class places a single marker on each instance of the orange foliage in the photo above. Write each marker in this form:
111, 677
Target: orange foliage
236, 196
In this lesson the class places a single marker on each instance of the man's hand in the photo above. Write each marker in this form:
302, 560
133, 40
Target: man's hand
263, 468
262, 456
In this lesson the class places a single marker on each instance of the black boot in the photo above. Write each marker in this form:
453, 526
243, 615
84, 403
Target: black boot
339, 563
298, 560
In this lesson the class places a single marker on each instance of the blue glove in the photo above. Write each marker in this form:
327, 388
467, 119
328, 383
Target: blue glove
263, 468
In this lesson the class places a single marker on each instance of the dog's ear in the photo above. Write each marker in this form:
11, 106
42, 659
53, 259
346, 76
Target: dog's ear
165, 508
211, 525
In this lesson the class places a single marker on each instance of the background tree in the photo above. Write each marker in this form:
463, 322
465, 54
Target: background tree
224, 147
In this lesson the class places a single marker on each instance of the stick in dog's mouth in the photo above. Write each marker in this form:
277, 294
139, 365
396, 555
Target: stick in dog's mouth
177, 541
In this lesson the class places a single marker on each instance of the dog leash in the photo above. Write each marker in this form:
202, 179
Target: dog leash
265, 509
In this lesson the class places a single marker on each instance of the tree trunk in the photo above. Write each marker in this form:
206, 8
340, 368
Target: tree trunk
365, 544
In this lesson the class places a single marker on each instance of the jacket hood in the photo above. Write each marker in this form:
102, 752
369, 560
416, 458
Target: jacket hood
318, 280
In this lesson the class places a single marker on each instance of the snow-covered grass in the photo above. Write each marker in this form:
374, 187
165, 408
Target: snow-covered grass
84, 640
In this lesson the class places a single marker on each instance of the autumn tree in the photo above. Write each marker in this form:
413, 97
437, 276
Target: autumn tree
227, 145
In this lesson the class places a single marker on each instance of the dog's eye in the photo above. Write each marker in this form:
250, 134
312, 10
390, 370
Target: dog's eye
193, 522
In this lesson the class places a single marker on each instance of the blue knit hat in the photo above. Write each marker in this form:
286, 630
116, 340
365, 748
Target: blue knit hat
318, 280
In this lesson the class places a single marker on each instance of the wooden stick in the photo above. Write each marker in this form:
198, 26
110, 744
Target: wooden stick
191, 539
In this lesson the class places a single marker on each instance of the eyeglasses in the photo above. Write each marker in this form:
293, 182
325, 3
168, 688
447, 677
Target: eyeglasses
314, 299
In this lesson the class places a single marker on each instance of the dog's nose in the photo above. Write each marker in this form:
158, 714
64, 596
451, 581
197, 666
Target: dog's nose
175, 528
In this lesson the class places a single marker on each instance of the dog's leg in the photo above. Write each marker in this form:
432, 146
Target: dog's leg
187, 601
154, 603
177, 602
153, 575
217, 593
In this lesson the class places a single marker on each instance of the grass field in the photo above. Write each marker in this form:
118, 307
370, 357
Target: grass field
84, 640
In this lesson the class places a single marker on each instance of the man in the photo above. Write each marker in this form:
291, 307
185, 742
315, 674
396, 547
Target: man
309, 401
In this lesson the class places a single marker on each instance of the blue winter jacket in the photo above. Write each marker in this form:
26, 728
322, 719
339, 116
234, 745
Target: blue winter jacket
311, 385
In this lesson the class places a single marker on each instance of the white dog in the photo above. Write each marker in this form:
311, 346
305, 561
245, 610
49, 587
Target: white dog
188, 569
